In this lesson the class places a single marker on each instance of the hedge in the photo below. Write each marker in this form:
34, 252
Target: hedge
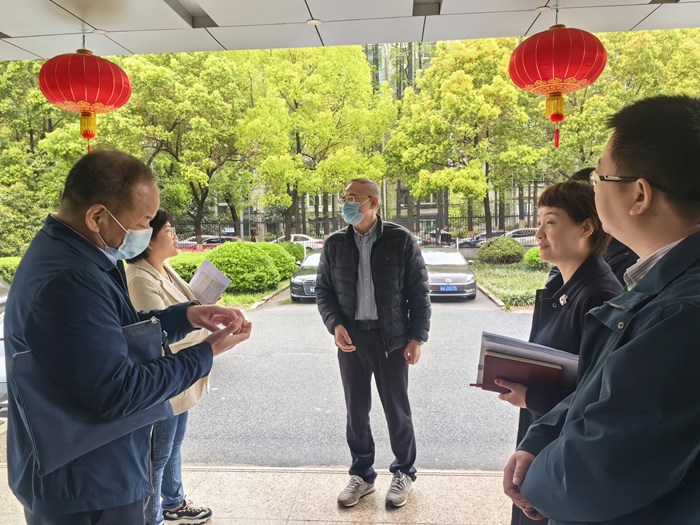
250, 269
186, 263
500, 250
296, 250
284, 261
8, 266
533, 261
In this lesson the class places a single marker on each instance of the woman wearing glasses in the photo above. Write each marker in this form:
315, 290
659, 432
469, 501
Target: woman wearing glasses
153, 284
571, 237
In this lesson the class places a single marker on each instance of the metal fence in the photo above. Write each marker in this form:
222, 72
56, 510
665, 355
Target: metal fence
426, 228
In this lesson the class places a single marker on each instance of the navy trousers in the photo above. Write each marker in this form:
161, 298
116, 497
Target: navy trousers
391, 377
131, 514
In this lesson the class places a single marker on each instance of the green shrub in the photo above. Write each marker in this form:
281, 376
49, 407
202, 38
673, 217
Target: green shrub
295, 250
500, 250
186, 263
250, 269
284, 261
533, 261
8, 266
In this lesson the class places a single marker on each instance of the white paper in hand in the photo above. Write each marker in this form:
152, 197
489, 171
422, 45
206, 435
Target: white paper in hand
208, 283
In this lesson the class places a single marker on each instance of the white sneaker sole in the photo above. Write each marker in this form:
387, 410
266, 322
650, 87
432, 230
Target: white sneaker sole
398, 505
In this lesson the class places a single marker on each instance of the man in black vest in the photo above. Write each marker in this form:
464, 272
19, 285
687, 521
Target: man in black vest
372, 293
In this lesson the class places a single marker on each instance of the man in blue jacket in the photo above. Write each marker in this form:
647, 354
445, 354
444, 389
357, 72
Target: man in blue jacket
67, 307
624, 448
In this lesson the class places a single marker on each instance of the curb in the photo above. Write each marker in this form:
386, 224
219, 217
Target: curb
331, 470
491, 296
268, 297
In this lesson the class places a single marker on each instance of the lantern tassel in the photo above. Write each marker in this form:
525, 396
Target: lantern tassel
556, 136
89, 147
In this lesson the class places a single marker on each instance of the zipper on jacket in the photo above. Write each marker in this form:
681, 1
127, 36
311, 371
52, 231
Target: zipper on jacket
371, 264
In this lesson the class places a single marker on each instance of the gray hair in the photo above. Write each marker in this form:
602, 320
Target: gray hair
372, 186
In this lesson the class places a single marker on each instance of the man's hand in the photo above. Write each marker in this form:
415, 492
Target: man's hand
213, 317
342, 339
412, 352
229, 336
517, 393
513, 476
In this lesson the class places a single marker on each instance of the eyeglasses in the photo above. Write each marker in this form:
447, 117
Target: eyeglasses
353, 198
596, 177
172, 232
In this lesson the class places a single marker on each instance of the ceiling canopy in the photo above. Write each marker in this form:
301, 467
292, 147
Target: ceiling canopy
31, 29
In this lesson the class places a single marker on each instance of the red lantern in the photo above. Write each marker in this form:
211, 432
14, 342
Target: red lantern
557, 61
84, 83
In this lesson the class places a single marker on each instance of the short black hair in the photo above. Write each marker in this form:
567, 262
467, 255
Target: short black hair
582, 175
104, 177
577, 199
658, 139
160, 219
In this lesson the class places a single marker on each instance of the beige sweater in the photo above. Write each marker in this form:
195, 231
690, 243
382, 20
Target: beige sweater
150, 290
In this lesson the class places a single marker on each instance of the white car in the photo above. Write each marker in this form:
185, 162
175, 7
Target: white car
525, 236
307, 242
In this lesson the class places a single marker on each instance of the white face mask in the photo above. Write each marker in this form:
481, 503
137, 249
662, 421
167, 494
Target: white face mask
134, 243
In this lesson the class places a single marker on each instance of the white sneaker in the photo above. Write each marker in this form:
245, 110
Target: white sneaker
355, 489
400, 488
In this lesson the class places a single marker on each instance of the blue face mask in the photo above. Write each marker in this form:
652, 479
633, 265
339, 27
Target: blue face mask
134, 243
351, 212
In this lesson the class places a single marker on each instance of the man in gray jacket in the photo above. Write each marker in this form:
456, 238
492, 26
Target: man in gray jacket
624, 448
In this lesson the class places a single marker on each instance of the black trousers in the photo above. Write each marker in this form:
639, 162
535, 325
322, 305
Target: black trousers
131, 514
391, 377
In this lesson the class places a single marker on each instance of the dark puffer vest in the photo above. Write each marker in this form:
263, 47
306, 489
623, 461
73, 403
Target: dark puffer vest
400, 284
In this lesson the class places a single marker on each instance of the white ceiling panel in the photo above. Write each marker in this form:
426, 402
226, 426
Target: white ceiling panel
334, 10
671, 16
37, 17
564, 4
172, 41
486, 25
266, 37
451, 7
258, 12
49, 46
10, 52
380, 31
595, 19
125, 15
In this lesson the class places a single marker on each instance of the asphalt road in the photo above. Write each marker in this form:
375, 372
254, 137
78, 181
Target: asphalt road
276, 400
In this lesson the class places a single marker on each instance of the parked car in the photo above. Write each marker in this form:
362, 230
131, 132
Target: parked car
479, 239
307, 242
4, 290
525, 236
208, 242
449, 273
303, 282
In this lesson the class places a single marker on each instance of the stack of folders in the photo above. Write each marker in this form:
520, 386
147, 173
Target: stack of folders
522, 362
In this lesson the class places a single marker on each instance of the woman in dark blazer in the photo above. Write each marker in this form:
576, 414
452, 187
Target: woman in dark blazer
570, 236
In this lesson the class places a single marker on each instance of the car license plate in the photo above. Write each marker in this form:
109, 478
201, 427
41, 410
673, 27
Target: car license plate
312, 289
448, 288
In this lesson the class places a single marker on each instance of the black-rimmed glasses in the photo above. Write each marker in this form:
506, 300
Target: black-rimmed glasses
596, 177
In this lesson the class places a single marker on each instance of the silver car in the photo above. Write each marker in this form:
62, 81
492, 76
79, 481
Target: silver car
449, 274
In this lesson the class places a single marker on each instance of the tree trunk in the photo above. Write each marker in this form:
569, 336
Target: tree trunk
302, 204
501, 211
398, 198
317, 216
410, 71
470, 215
440, 219
416, 217
411, 222
326, 216
487, 203
334, 212
521, 205
534, 202
295, 210
235, 218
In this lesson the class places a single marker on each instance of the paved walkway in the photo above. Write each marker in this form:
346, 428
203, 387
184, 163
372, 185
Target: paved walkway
294, 496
